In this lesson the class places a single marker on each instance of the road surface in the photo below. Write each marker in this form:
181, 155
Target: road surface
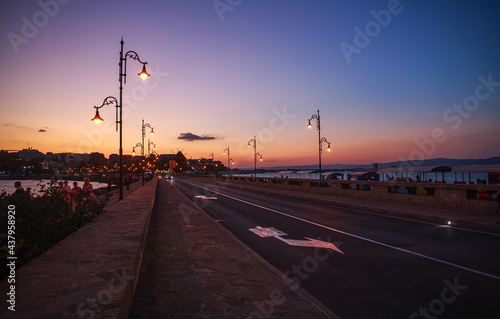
360, 264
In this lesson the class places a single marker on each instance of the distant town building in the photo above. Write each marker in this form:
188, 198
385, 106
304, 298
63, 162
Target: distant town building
63, 157
30, 154
175, 162
97, 158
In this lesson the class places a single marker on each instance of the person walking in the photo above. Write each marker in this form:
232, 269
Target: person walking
19, 189
67, 191
110, 184
127, 182
76, 193
87, 189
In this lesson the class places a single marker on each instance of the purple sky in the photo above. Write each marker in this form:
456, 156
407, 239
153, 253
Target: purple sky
392, 79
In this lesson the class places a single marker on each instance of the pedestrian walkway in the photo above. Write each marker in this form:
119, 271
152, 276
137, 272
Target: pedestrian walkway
195, 268
115, 194
484, 221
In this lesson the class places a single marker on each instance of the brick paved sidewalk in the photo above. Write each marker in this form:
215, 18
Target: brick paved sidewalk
195, 268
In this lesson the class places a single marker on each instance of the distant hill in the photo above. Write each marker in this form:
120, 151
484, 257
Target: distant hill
429, 162
445, 162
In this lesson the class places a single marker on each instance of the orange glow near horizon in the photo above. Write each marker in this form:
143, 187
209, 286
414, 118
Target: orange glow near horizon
206, 94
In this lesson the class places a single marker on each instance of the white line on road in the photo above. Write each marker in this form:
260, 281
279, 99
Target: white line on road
309, 242
351, 235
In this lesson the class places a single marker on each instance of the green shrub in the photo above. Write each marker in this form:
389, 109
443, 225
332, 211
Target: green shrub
42, 220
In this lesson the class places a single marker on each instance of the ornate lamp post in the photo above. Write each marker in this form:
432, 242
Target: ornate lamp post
144, 133
142, 160
255, 153
133, 148
149, 145
320, 139
228, 159
111, 100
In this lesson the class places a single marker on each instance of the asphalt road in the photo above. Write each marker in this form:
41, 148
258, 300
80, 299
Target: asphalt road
379, 266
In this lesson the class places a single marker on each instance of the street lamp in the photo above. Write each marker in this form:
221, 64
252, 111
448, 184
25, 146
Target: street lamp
255, 153
320, 139
110, 100
144, 133
228, 159
97, 120
149, 145
133, 148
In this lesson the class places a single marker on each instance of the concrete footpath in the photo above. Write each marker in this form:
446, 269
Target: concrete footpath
480, 221
113, 199
194, 268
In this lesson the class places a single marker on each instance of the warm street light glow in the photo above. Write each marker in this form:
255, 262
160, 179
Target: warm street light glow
133, 149
144, 74
97, 119
152, 132
320, 139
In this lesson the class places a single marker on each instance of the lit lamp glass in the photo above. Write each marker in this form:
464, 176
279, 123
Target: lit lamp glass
144, 74
97, 119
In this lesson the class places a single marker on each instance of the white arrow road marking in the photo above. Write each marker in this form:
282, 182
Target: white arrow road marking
352, 235
273, 232
205, 197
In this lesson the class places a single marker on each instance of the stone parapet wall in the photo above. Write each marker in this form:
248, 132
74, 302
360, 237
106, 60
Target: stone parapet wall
93, 272
465, 196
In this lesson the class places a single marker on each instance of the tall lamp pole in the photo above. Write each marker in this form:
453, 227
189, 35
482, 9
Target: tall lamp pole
228, 159
149, 145
320, 139
144, 133
110, 100
255, 153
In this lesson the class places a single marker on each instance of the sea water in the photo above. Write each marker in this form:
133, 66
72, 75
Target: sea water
8, 185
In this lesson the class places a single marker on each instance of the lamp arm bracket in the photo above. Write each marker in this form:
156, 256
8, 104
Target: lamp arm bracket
133, 55
314, 116
107, 101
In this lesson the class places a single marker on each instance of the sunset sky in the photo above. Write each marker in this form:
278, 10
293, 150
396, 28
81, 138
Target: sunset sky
393, 79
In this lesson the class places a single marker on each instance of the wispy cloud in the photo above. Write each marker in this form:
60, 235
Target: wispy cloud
193, 137
15, 126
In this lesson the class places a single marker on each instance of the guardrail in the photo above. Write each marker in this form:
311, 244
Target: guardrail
474, 197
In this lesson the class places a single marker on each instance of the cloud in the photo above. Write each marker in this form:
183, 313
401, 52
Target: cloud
193, 137
15, 126
42, 130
